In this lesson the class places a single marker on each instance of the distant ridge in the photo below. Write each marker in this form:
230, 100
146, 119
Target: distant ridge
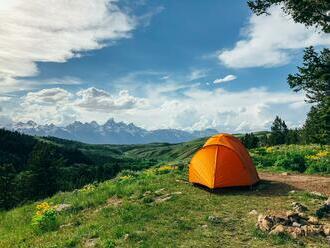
111, 132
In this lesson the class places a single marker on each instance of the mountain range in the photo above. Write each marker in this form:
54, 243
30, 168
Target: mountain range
111, 132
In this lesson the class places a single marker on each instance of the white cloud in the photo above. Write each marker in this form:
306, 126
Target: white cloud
197, 74
270, 41
225, 79
47, 96
196, 108
94, 99
55, 31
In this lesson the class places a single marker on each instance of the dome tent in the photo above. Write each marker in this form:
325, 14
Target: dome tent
223, 161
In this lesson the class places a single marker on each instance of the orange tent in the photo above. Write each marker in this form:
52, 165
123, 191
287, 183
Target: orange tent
222, 162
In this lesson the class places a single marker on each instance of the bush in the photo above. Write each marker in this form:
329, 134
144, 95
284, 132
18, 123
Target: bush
291, 161
321, 166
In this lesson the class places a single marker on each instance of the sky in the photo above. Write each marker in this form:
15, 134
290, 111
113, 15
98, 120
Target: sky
185, 64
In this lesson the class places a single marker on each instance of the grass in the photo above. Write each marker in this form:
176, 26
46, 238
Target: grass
138, 221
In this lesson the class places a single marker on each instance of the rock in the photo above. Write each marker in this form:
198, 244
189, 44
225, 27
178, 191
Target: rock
277, 230
296, 224
292, 192
163, 198
313, 220
159, 191
285, 174
327, 202
62, 207
91, 242
204, 226
214, 219
148, 192
114, 201
317, 194
314, 229
295, 232
326, 230
126, 236
265, 223
253, 212
324, 210
66, 225
177, 193
299, 207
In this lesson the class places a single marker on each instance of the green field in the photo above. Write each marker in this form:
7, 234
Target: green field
129, 211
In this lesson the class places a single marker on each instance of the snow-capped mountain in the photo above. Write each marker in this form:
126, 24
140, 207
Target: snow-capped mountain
111, 132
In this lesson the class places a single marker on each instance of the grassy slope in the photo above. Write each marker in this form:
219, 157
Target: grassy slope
178, 222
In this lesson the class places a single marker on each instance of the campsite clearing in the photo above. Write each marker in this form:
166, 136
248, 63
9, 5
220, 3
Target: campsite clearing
195, 217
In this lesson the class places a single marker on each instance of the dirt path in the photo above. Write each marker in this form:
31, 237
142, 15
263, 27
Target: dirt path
304, 182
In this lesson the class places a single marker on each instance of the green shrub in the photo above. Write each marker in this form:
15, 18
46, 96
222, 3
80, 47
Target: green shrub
320, 166
291, 161
45, 218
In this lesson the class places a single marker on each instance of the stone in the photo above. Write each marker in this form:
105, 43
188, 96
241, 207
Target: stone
313, 220
298, 207
114, 201
295, 232
91, 242
253, 212
66, 225
296, 224
285, 174
265, 223
126, 236
163, 198
316, 194
292, 192
177, 193
277, 230
62, 207
326, 230
214, 219
159, 191
148, 192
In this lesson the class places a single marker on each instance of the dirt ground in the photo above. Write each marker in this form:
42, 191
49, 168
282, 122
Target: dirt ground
310, 183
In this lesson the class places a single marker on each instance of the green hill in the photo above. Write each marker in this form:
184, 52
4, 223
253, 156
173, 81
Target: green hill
158, 208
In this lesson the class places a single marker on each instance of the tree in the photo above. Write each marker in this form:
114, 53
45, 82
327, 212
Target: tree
314, 76
42, 164
279, 132
7, 186
317, 126
308, 12
250, 140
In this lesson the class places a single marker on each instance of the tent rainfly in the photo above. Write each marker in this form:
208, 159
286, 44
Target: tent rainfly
223, 161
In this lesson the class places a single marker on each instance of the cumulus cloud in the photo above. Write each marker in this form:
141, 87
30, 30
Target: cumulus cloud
99, 100
196, 108
225, 79
47, 96
55, 31
269, 40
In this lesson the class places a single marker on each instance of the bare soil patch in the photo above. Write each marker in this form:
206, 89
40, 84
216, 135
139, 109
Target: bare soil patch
310, 183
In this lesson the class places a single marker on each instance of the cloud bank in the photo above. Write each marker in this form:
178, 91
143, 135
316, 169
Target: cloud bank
196, 109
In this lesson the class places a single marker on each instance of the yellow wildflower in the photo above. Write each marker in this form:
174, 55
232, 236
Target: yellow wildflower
318, 155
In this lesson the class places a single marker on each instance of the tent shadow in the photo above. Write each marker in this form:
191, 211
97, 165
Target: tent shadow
262, 188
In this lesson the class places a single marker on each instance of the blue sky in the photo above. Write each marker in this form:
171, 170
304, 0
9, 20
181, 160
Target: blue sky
160, 64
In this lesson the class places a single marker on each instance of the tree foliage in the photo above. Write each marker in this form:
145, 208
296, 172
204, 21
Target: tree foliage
279, 132
314, 76
308, 12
